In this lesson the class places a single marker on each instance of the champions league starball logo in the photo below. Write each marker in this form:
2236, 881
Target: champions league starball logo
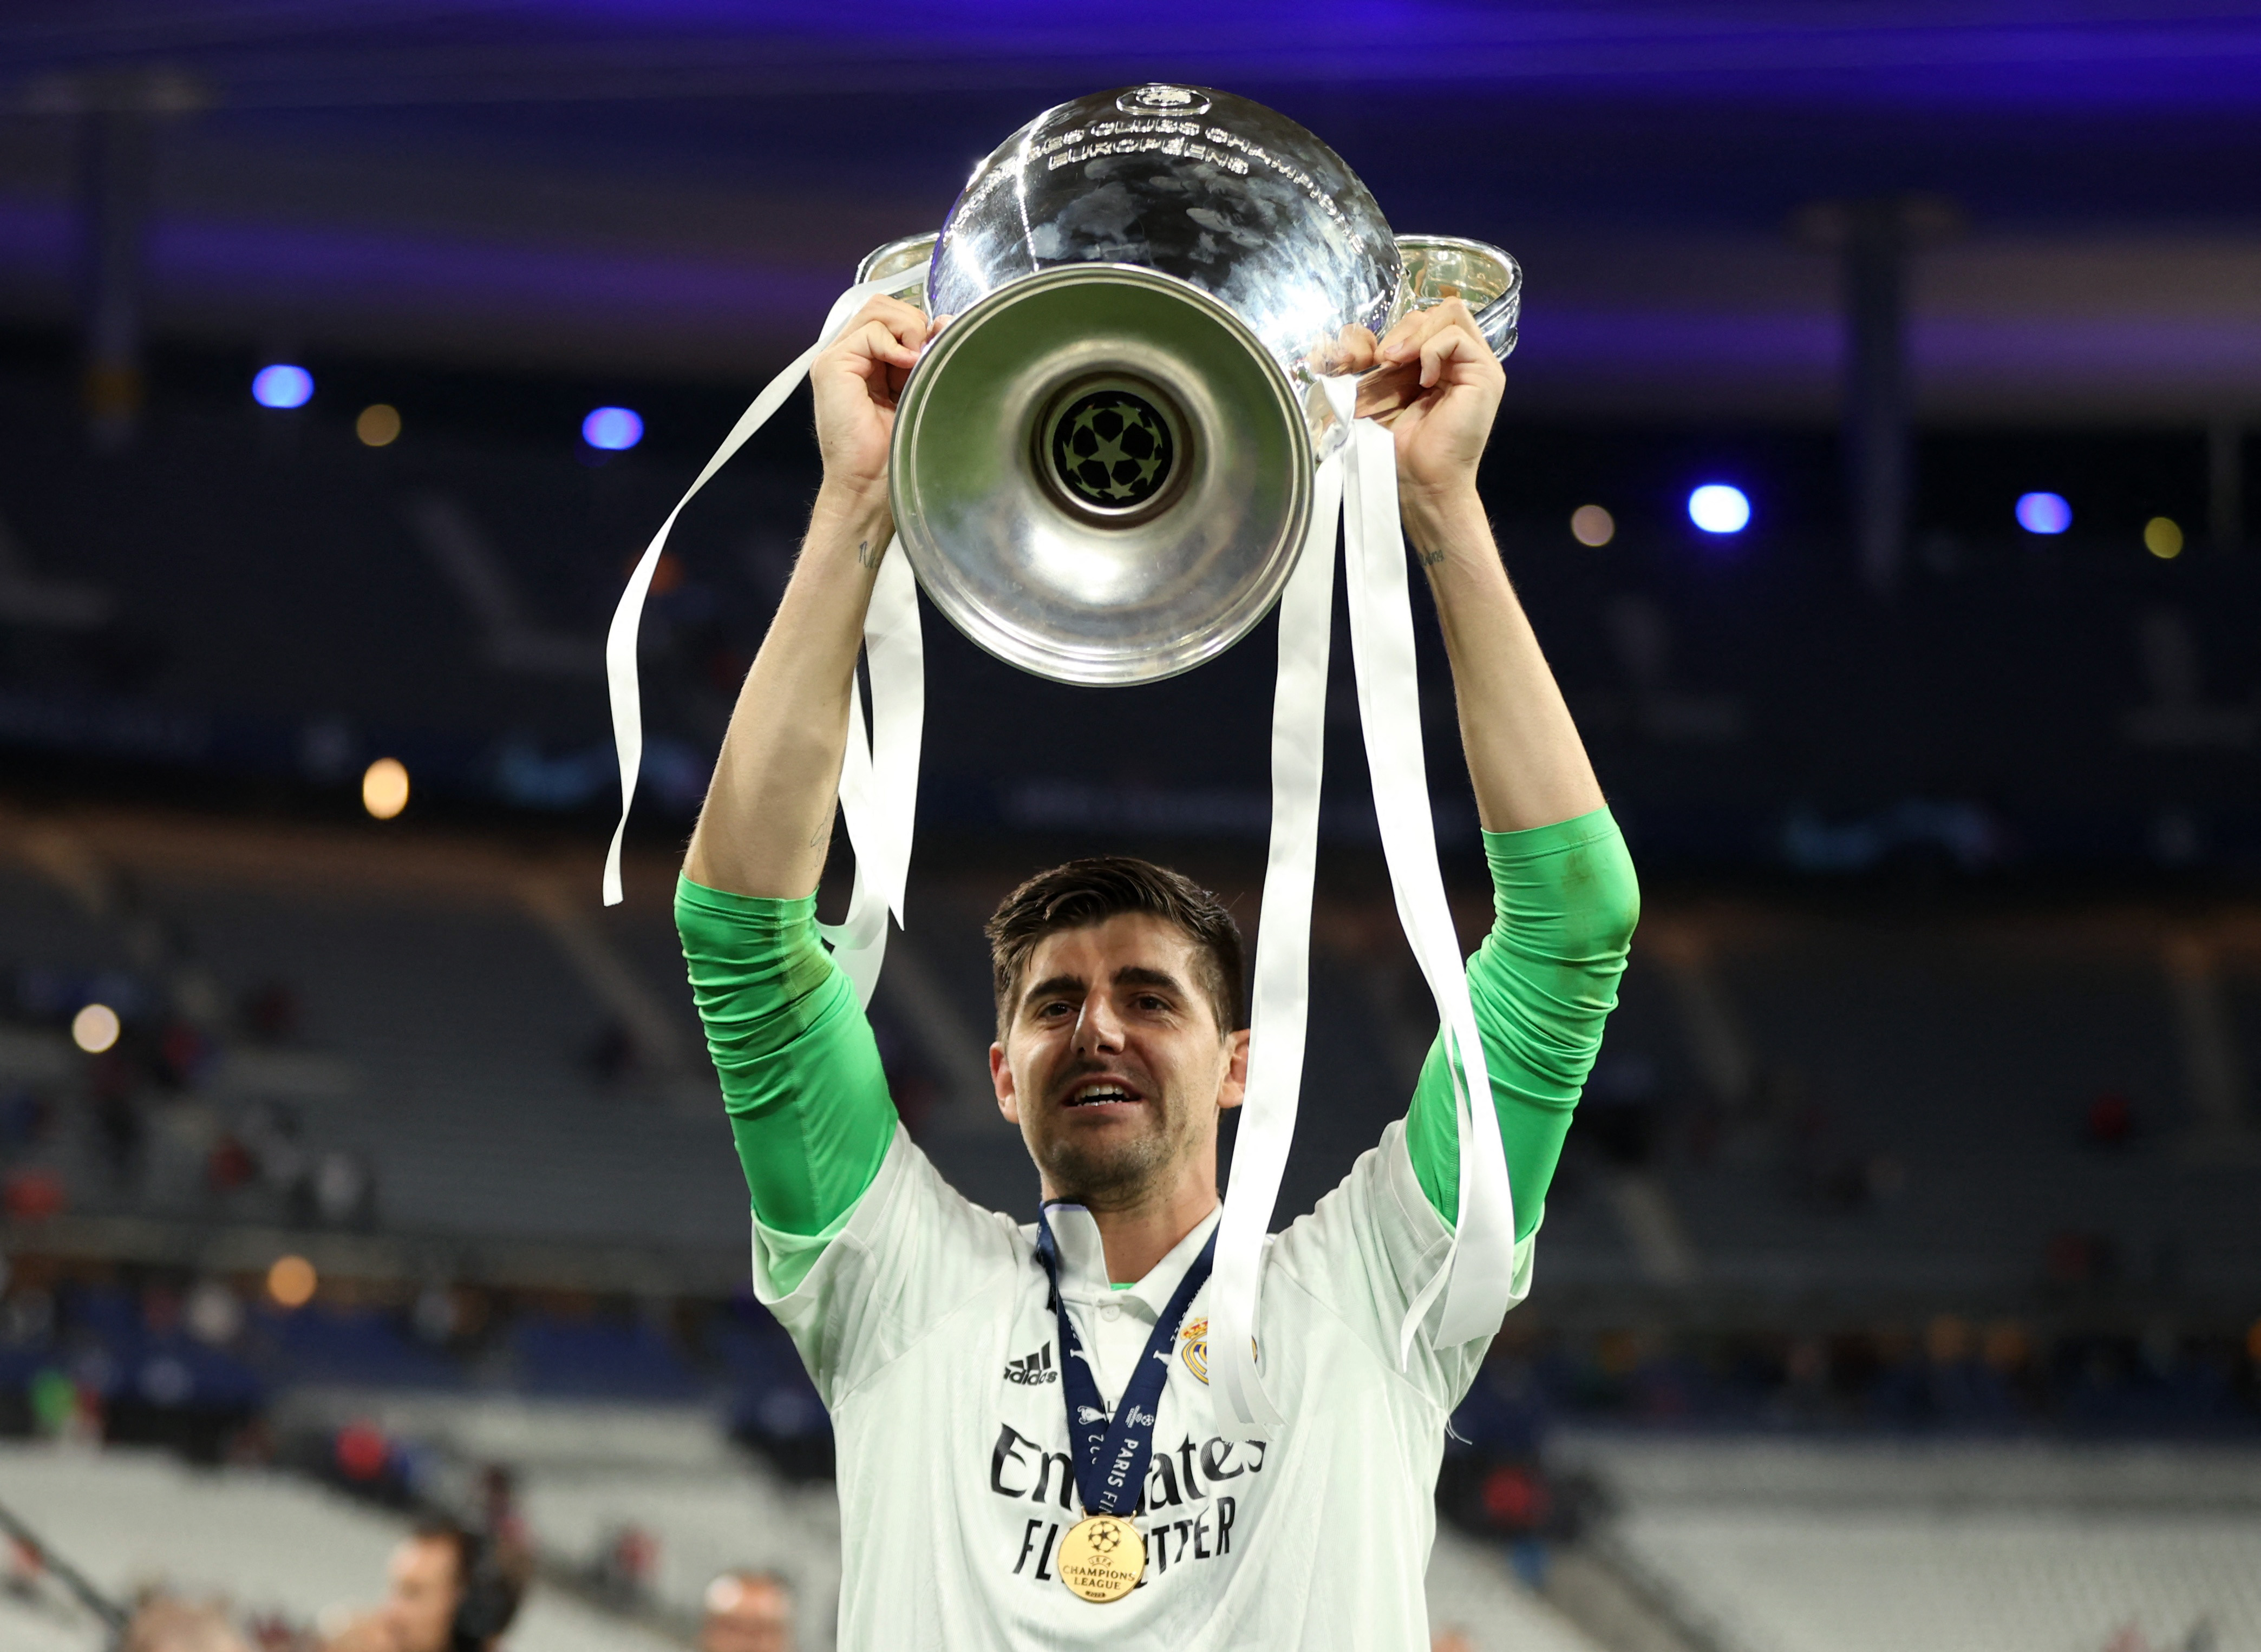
1112, 449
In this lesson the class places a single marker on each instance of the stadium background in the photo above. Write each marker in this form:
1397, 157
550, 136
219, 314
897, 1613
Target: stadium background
1902, 1284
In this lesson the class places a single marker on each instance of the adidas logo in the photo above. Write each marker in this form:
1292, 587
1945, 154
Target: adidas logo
1032, 1367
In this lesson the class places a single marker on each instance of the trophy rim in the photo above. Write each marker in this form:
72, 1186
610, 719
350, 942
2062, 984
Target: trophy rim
1085, 665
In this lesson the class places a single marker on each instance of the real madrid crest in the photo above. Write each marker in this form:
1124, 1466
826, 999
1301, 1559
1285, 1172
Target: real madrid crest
1192, 1348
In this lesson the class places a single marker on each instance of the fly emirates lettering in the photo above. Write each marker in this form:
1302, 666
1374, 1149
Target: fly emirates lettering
1185, 1479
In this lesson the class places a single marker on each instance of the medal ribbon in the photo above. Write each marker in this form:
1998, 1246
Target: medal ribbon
1111, 1455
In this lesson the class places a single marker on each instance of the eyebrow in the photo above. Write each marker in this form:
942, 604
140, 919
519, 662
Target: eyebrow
1131, 975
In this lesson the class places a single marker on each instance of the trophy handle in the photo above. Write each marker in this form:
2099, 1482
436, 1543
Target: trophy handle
1441, 267
902, 257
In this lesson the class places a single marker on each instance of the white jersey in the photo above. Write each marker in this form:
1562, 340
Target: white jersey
926, 1324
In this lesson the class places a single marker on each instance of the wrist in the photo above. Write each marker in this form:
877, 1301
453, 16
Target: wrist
853, 506
1434, 516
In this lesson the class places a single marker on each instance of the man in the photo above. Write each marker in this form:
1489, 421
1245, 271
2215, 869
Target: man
974, 1507
746, 1611
449, 1592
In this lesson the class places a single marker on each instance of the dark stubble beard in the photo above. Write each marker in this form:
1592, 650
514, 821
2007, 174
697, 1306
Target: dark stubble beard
1115, 1175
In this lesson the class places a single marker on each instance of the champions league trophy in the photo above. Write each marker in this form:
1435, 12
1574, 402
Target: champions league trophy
1125, 449
1103, 470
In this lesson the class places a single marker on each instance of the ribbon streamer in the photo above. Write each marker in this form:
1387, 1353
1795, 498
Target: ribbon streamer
1357, 482
878, 782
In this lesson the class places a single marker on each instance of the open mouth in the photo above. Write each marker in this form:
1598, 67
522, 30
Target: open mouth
1102, 1092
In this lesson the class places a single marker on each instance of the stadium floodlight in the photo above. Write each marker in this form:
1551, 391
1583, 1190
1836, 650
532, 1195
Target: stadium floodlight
1593, 524
1719, 508
611, 429
94, 1028
282, 385
2043, 513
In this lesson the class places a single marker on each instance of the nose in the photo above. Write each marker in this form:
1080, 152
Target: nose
1098, 1030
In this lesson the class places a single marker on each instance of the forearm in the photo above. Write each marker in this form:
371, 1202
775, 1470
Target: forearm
768, 815
1524, 758
1542, 984
801, 1076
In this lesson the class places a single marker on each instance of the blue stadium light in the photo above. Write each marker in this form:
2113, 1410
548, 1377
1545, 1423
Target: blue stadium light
613, 429
2043, 513
282, 386
1718, 508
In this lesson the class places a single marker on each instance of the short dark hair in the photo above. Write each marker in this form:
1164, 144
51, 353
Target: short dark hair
1078, 893
491, 1576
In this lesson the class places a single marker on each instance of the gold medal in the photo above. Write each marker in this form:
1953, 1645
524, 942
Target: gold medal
1101, 1558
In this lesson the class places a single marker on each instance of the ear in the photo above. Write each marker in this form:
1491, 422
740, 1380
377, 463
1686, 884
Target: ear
1000, 1080
1234, 1090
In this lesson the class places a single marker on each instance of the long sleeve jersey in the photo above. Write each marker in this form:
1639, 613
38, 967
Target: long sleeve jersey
927, 1324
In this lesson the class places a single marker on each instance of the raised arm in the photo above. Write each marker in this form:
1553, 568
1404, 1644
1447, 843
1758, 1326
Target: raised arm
1564, 895
768, 814
801, 1076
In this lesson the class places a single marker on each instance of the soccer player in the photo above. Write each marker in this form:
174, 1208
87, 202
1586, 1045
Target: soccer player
979, 1372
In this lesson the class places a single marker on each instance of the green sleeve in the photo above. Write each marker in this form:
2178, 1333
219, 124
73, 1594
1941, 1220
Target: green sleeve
801, 1081
1565, 902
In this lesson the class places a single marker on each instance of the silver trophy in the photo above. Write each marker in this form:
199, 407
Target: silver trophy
1103, 469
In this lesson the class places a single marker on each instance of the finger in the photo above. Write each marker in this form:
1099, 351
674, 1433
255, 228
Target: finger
1462, 352
1458, 314
1412, 331
1352, 350
879, 341
1411, 335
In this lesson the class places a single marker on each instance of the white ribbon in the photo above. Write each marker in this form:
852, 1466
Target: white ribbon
1357, 481
878, 781
1278, 1012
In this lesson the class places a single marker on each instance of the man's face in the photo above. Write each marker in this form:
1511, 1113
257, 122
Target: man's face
1112, 1062
746, 1617
420, 1608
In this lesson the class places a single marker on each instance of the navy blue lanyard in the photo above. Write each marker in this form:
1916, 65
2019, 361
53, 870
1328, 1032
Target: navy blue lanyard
1111, 1456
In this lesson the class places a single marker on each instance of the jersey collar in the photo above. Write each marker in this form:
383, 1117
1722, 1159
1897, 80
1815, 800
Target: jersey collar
1083, 1261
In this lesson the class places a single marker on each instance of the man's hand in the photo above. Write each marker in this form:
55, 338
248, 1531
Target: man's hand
1435, 384
857, 384
768, 814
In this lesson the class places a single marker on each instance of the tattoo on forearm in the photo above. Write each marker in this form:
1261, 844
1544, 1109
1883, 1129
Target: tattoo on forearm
865, 556
1430, 559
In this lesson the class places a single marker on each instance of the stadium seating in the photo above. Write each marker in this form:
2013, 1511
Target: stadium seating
267, 1543
1802, 1546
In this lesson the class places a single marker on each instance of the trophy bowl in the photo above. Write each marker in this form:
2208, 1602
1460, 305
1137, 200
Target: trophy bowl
1101, 470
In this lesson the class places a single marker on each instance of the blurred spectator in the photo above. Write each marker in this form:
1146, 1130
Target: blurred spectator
746, 1611
627, 1561
167, 1625
451, 1589
229, 1165
344, 1189
32, 1195
1451, 1638
183, 1053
